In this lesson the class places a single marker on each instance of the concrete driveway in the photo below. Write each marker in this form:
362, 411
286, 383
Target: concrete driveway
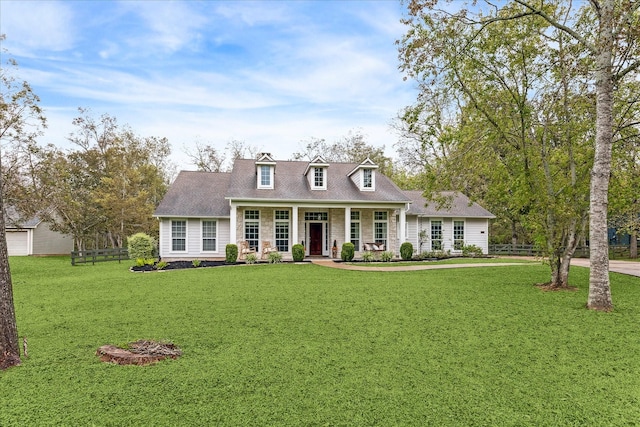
631, 268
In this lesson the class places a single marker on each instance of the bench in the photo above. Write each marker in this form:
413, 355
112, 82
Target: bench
373, 247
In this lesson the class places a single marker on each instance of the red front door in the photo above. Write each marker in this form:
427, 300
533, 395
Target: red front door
315, 238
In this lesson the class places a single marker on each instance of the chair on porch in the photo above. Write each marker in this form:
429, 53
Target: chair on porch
245, 249
267, 249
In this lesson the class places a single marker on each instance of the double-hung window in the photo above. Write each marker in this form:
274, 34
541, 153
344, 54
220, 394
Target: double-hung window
367, 178
282, 230
252, 228
179, 236
436, 235
209, 236
458, 235
265, 176
380, 227
355, 229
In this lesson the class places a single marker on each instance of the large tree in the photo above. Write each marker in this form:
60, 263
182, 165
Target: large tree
351, 148
606, 30
20, 121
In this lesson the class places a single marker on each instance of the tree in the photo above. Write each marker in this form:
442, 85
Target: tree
105, 190
20, 121
207, 158
608, 31
351, 148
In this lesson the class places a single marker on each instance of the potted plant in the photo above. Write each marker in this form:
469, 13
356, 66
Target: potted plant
334, 249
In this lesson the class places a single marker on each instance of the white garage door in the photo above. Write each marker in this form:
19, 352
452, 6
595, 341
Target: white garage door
17, 243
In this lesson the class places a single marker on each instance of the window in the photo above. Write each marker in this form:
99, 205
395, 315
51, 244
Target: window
179, 236
367, 178
436, 235
252, 228
265, 176
355, 229
380, 226
316, 216
458, 235
209, 236
282, 230
318, 178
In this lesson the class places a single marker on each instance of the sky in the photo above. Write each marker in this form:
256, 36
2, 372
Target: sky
273, 74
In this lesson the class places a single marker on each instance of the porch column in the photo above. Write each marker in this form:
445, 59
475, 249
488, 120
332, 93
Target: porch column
233, 223
294, 225
403, 226
347, 225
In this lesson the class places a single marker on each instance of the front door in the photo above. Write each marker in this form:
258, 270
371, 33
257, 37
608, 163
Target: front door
315, 238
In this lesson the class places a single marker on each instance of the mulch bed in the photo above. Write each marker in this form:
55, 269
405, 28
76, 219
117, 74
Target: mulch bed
141, 352
178, 265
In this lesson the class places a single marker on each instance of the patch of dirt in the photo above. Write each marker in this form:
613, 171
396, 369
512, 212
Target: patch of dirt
141, 352
547, 287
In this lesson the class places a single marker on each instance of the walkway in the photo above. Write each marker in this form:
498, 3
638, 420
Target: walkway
631, 268
345, 266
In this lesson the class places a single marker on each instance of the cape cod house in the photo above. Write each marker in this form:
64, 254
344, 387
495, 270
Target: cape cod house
264, 202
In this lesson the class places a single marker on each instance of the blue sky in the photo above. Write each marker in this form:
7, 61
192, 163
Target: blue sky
271, 73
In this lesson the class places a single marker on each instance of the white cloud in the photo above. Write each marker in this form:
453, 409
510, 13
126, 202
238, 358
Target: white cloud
47, 26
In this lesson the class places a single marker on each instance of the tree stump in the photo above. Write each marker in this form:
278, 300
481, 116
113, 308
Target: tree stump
142, 352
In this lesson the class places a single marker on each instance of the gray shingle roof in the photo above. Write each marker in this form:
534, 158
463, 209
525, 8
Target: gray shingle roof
207, 194
196, 194
290, 183
13, 219
460, 206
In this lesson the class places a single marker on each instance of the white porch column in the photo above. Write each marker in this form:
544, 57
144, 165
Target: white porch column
403, 226
233, 223
347, 225
294, 225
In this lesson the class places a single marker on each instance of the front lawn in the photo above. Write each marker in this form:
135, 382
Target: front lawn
304, 345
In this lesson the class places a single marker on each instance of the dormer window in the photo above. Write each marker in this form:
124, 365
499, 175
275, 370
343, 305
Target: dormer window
265, 177
316, 173
367, 178
364, 175
318, 178
265, 169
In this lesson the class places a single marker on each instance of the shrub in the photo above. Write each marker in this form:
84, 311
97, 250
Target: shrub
348, 251
367, 256
251, 258
471, 250
195, 263
140, 262
387, 256
406, 251
161, 265
275, 257
141, 245
231, 252
297, 251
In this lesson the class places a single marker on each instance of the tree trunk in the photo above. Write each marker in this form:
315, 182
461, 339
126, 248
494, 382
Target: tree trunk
599, 288
9, 348
633, 245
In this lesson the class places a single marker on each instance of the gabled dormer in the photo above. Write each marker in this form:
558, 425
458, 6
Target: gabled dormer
265, 171
317, 173
364, 175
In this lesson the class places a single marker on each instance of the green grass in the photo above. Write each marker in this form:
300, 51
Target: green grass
302, 345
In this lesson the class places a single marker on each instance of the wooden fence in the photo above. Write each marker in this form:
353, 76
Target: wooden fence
99, 255
615, 251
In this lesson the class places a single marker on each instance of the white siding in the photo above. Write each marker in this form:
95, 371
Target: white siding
194, 239
412, 231
476, 232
